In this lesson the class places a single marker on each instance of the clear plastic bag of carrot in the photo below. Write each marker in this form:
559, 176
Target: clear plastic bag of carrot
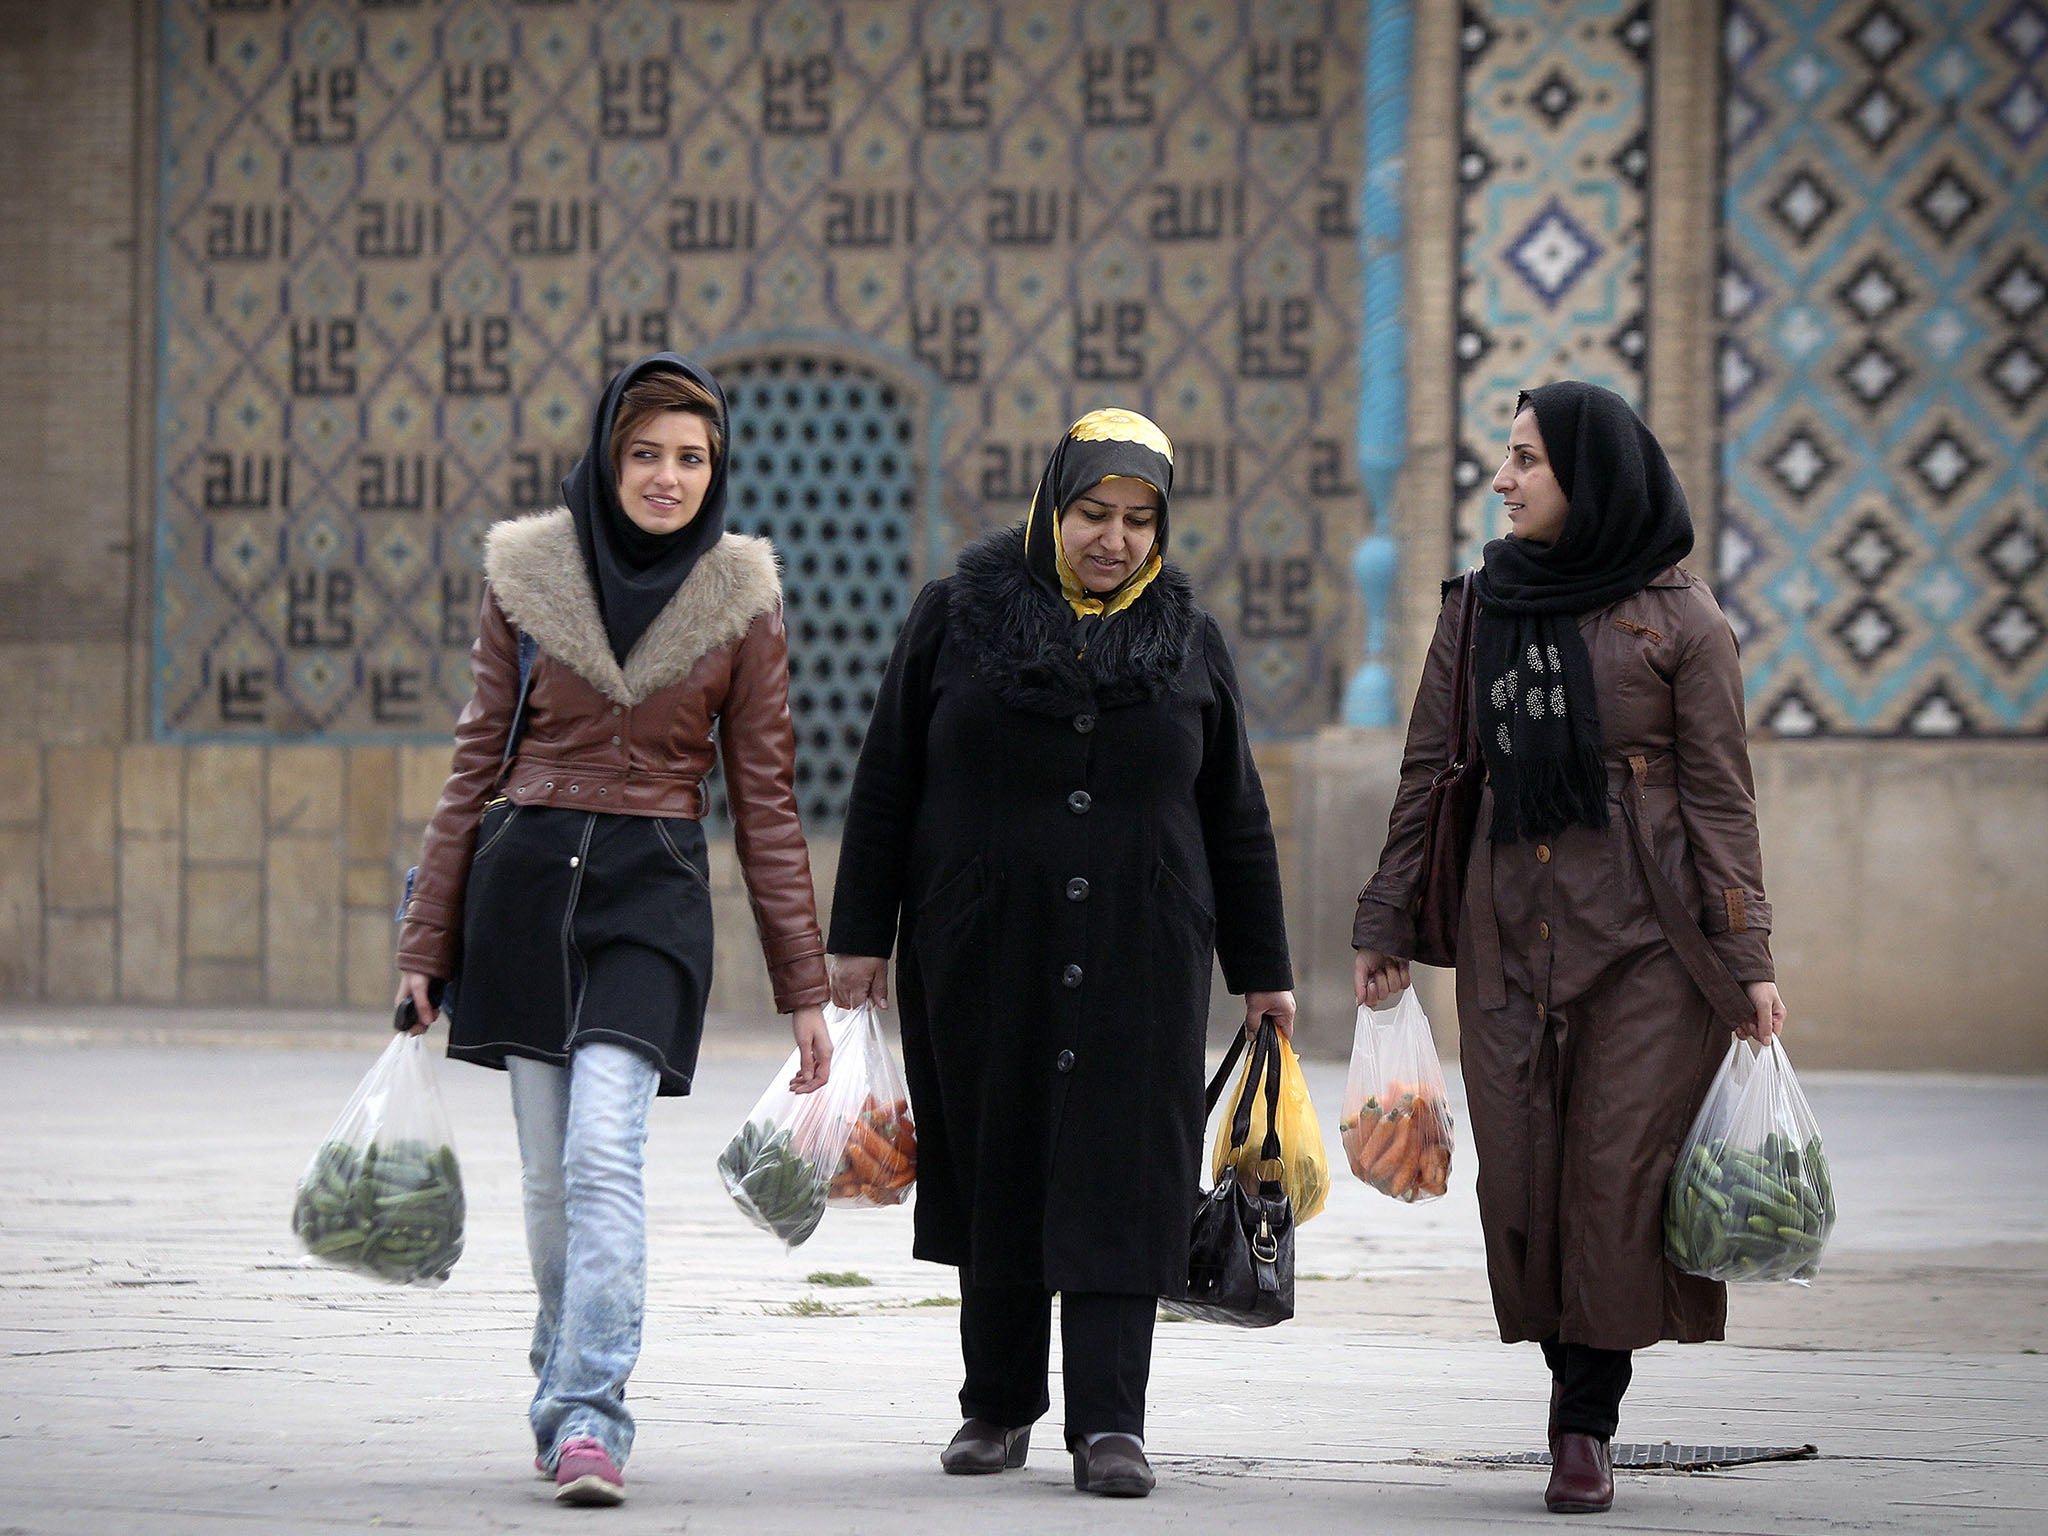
1397, 1127
859, 1124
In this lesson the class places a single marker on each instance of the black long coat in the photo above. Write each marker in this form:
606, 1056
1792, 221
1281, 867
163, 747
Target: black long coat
1060, 848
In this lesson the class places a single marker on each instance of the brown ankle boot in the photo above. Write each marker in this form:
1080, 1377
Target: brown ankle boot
1581, 1476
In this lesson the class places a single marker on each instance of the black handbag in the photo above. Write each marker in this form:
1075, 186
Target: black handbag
1241, 1244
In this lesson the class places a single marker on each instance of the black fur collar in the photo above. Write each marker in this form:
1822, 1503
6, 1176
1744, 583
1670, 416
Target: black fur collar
1020, 644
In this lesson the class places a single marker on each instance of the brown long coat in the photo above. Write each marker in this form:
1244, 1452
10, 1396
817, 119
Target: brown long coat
1585, 1044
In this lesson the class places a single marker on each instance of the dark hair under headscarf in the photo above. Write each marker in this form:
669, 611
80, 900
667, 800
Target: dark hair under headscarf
1102, 445
633, 572
1538, 719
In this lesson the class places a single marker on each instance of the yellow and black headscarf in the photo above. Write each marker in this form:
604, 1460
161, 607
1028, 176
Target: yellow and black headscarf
1102, 445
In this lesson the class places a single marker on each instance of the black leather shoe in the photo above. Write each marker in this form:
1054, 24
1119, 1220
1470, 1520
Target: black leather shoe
1581, 1476
984, 1447
1114, 1465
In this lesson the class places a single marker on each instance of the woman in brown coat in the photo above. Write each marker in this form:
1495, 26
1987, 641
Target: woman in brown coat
1614, 924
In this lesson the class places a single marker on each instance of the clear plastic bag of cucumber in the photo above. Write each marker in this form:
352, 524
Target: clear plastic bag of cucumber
383, 1193
1750, 1196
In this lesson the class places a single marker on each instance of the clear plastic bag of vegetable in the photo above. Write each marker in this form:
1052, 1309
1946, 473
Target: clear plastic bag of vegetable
1750, 1197
383, 1194
851, 1143
1397, 1126
1305, 1167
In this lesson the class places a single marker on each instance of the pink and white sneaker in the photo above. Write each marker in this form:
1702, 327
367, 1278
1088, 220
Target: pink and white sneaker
586, 1474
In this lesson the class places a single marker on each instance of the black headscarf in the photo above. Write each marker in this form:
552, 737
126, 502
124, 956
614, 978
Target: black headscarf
1100, 446
1539, 722
634, 572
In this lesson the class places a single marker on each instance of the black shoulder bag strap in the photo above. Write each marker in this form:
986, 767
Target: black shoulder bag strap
529, 653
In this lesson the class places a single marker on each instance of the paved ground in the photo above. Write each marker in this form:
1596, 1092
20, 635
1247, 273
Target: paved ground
168, 1366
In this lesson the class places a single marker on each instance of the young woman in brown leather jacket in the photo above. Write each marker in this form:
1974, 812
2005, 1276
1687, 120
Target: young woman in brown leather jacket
1614, 925
568, 880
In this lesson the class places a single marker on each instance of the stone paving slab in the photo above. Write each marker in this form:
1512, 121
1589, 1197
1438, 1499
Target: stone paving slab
169, 1366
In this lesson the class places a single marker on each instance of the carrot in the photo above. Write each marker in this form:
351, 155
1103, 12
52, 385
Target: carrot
1356, 1133
1398, 1151
865, 1166
1425, 1124
1375, 1143
1436, 1169
874, 1143
1401, 1176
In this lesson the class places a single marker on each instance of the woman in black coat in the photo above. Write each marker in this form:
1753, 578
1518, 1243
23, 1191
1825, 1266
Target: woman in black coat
1056, 822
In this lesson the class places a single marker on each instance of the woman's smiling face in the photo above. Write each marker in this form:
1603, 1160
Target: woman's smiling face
664, 471
1108, 530
1527, 484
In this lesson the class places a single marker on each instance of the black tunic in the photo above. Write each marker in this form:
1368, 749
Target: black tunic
1061, 846
582, 926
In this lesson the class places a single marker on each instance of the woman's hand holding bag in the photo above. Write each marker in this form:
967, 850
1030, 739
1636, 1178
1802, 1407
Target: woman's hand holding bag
858, 979
1377, 978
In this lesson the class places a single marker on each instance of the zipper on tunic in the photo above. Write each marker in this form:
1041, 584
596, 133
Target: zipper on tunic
572, 962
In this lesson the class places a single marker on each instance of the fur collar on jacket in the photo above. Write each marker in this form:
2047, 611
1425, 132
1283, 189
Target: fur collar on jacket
536, 572
1020, 645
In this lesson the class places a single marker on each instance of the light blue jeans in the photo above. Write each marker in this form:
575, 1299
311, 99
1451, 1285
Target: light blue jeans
582, 1132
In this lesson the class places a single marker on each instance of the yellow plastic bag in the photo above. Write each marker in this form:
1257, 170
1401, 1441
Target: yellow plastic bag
1305, 1169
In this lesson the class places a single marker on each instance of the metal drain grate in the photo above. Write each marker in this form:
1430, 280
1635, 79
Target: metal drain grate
1676, 1458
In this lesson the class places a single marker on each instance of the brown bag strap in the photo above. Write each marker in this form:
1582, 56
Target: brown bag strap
1459, 744
1709, 972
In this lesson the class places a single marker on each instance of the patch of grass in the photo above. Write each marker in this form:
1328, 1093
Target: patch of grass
1170, 1317
837, 1277
938, 1301
807, 1306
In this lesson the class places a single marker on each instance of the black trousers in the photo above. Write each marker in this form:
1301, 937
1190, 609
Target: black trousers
1591, 1383
1005, 1340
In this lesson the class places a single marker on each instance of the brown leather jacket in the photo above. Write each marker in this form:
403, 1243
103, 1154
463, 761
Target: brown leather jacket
632, 740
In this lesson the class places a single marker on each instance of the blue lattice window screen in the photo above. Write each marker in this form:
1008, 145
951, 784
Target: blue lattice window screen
823, 464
